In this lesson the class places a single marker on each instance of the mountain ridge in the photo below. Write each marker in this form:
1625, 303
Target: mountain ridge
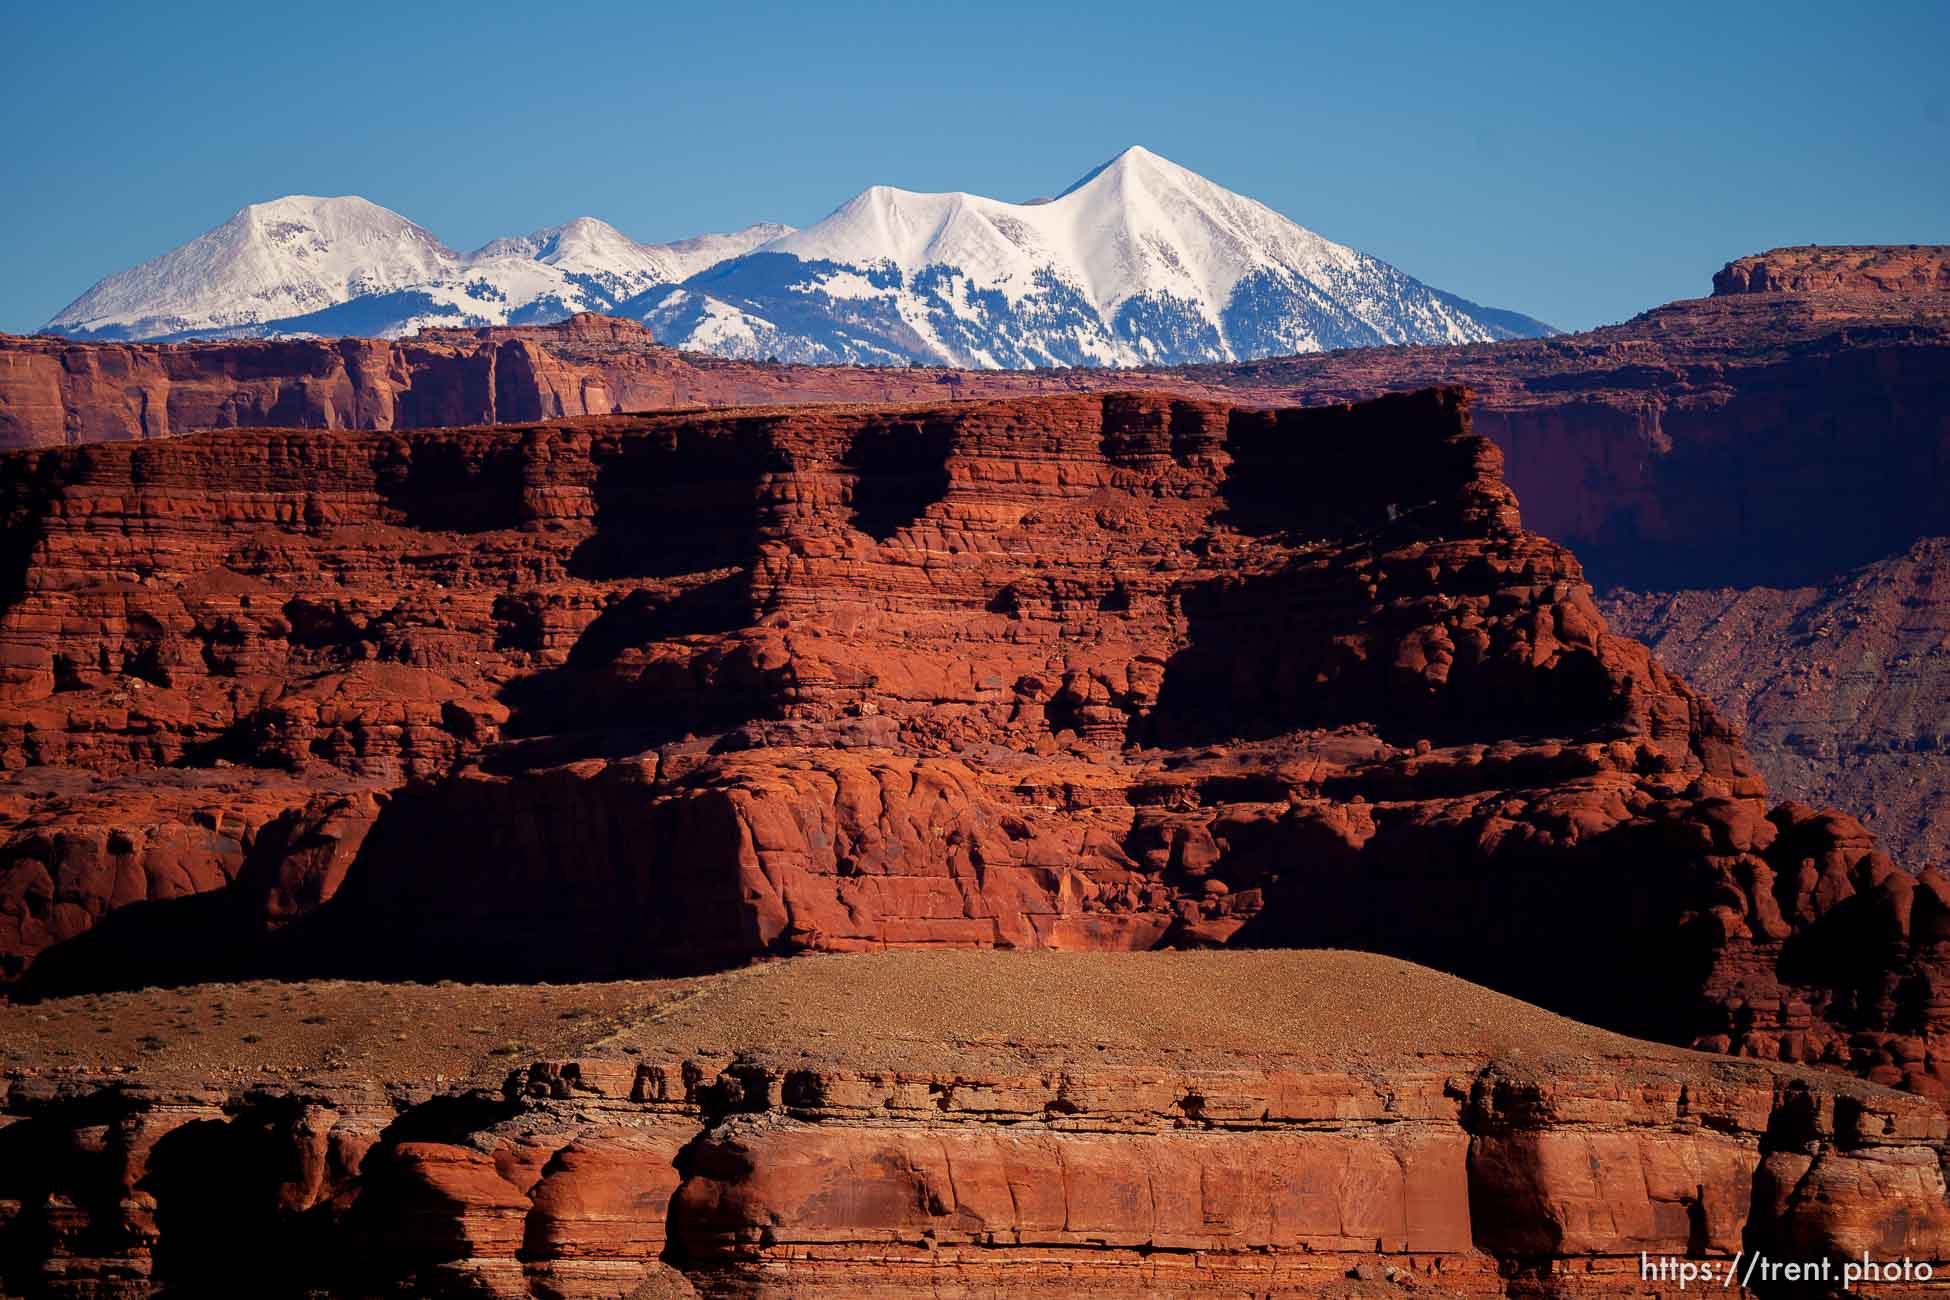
1141, 261
280, 267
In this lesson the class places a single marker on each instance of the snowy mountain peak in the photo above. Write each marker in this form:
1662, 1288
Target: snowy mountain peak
274, 259
687, 257
302, 264
1141, 262
1138, 224
582, 239
1135, 156
344, 212
588, 229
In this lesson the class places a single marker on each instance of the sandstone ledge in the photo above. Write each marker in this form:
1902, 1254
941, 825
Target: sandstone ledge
1372, 1127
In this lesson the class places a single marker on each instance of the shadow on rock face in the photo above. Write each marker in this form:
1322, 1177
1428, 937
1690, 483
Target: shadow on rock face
536, 876
1337, 471
216, 1219
676, 504
1344, 638
189, 940
633, 681
900, 468
1560, 925
457, 487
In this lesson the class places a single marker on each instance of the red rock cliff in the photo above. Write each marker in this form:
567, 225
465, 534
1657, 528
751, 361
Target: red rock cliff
1694, 446
1089, 672
1179, 1147
1874, 270
1783, 432
56, 391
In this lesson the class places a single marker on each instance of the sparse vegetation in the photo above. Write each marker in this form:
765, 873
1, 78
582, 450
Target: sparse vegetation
390, 1031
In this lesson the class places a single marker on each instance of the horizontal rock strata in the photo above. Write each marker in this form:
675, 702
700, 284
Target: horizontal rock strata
666, 693
56, 391
910, 1170
1694, 446
1691, 449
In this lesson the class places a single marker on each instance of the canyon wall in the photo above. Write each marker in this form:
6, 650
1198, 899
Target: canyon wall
947, 1169
1769, 439
56, 392
1780, 432
1089, 672
1843, 688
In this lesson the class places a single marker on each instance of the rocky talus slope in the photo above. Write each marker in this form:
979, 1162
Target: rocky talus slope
953, 1124
665, 693
1843, 688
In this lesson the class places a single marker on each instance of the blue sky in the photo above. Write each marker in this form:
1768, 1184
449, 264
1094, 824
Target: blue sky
1580, 166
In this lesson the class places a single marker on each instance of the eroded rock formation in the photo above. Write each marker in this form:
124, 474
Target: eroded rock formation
1089, 672
954, 1161
56, 391
1782, 432
1786, 429
1868, 270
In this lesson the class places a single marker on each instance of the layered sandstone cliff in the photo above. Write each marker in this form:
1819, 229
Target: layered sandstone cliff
965, 1124
56, 391
1782, 431
1778, 435
1741, 457
1870, 270
633, 695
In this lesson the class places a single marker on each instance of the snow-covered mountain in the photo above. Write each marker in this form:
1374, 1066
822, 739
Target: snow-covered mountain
1141, 262
273, 260
590, 250
305, 265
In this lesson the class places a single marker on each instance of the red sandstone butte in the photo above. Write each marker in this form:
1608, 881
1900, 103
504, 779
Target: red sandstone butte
1627, 443
580, 699
1869, 270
